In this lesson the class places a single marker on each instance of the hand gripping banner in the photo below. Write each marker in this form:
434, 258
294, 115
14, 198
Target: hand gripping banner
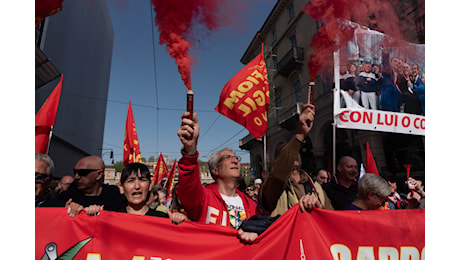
321, 234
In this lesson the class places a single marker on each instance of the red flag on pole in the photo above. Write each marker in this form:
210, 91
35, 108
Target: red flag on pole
44, 8
170, 182
161, 170
131, 151
245, 97
44, 119
371, 167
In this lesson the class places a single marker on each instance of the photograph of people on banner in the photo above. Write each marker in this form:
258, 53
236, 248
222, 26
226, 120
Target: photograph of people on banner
380, 84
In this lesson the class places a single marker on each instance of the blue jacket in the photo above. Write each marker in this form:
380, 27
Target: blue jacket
390, 95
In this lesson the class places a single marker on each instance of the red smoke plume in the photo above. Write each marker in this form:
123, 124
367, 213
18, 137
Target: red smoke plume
176, 20
377, 14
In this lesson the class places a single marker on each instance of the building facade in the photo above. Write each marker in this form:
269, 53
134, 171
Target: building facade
78, 41
287, 34
111, 176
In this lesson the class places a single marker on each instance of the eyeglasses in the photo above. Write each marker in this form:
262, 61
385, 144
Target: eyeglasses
84, 172
250, 189
380, 197
40, 177
228, 156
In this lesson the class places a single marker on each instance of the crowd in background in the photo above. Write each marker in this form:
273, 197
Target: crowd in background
395, 85
227, 201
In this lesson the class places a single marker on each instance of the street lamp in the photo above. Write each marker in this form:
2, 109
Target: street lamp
111, 154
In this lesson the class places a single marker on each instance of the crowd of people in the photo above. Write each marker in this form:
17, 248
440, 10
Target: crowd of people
248, 209
395, 85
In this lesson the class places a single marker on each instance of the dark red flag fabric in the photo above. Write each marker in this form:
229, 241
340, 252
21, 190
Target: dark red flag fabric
45, 117
161, 170
170, 183
44, 8
131, 150
245, 98
371, 167
321, 234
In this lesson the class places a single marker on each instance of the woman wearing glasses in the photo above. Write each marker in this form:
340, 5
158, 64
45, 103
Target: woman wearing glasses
373, 192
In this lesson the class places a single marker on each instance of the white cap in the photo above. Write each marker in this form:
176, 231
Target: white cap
257, 181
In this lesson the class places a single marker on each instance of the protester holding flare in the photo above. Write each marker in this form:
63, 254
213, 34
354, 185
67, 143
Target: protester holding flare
287, 184
219, 203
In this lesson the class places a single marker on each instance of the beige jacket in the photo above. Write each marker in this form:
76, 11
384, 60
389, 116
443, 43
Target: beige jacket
273, 196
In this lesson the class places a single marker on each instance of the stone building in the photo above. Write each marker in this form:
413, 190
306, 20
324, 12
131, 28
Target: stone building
287, 33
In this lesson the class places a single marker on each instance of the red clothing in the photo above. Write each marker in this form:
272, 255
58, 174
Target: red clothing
205, 204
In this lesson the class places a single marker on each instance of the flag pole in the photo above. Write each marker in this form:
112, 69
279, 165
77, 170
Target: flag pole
334, 106
265, 152
134, 154
49, 140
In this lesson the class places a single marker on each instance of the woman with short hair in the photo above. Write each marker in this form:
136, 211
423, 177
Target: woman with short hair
373, 192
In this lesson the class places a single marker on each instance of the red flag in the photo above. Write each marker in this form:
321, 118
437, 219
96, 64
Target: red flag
170, 182
245, 97
131, 150
44, 8
161, 170
44, 119
371, 167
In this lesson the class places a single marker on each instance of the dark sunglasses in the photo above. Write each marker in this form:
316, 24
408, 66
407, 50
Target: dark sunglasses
250, 189
83, 172
40, 177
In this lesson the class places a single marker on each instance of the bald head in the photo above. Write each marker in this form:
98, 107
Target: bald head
346, 159
90, 162
89, 175
347, 168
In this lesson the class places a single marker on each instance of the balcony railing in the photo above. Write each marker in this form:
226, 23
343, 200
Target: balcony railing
292, 60
248, 142
289, 117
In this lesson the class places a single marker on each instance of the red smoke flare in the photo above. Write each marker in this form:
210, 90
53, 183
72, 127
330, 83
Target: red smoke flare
175, 20
378, 14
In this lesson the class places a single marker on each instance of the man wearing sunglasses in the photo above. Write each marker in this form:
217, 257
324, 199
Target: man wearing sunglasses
44, 167
219, 203
88, 191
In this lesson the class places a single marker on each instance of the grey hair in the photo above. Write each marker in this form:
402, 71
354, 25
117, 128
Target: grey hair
370, 182
46, 159
215, 157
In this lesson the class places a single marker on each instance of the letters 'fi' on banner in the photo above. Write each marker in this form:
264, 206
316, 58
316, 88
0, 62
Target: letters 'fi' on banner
245, 98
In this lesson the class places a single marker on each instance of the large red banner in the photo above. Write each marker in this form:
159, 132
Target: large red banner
322, 234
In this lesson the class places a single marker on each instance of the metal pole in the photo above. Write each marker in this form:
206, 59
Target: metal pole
335, 105
265, 152
49, 140
333, 148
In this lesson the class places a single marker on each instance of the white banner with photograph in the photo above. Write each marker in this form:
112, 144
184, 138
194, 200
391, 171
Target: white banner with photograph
380, 84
